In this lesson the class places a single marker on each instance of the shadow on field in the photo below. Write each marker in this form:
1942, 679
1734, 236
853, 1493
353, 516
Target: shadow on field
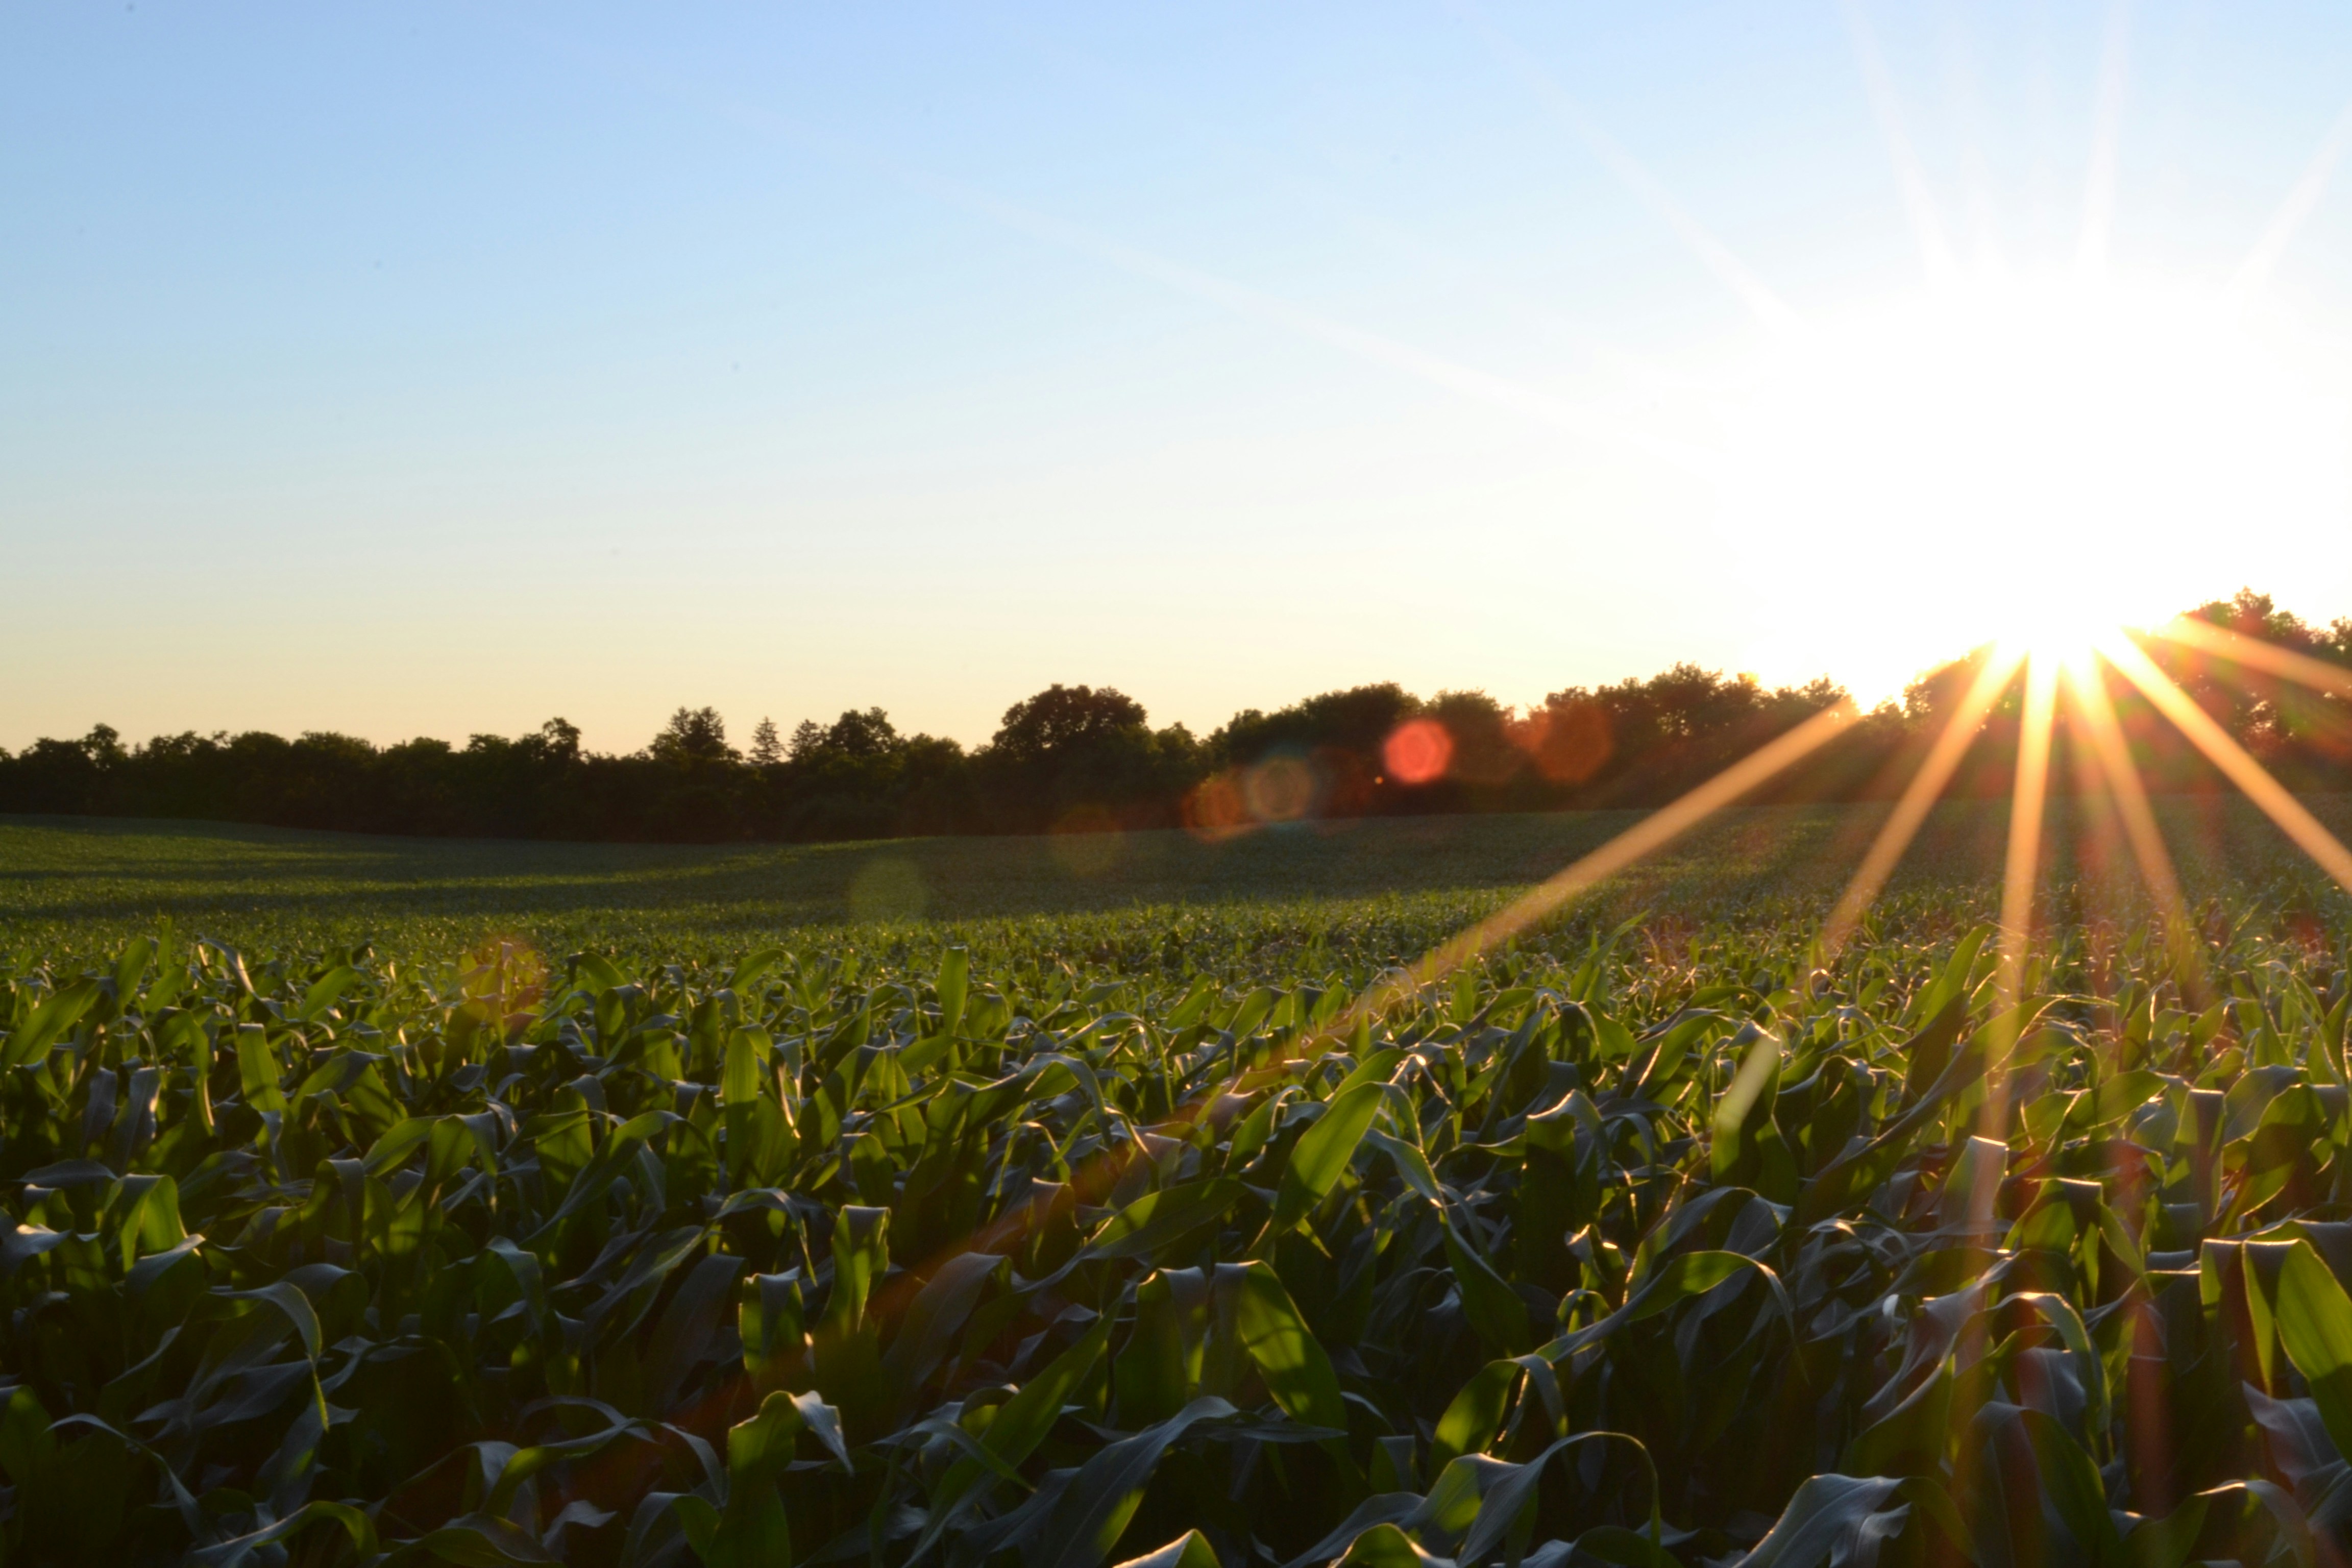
62, 873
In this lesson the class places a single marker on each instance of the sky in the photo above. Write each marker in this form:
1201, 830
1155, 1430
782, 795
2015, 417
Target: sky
430, 369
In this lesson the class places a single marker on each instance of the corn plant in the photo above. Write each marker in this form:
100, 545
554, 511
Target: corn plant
1639, 1249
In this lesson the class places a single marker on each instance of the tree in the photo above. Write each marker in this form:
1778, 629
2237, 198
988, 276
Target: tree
693, 736
2257, 616
853, 737
1358, 720
2269, 716
1480, 730
767, 747
559, 739
1076, 753
863, 735
1064, 719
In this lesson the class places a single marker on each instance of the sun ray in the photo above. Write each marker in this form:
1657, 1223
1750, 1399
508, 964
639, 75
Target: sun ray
2251, 777
2206, 638
1718, 258
2029, 796
1645, 837
1911, 181
1925, 788
1980, 220
1374, 348
1096, 1174
2106, 136
2103, 853
2253, 274
2121, 776
1101, 76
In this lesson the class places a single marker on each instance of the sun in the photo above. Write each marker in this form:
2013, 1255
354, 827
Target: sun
2031, 461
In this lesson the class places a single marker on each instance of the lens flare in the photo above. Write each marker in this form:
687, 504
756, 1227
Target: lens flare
1568, 745
1417, 751
1280, 789
1215, 810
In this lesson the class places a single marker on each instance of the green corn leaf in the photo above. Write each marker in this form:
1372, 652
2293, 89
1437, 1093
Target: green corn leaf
1296, 1370
325, 992
131, 968
1190, 1550
1826, 1522
1322, 1154
30, 1040
1092, 1513
1475, 1416
258, 1070
1745, 1111
1386, 1546
1154, 1222
1020, 1424
752, 1529
954, 983
1494, 1310
2315, 1322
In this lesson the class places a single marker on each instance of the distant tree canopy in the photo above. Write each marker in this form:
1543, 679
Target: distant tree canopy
1084, 758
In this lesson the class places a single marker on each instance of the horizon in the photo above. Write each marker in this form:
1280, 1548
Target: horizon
738, 732
415, 373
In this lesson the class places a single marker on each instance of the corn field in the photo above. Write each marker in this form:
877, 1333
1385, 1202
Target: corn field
1603, 1250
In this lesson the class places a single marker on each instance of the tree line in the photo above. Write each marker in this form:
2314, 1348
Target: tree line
1080, 758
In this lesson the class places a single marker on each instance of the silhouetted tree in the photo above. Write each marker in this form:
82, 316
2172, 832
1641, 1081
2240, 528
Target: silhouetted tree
693, 735
767, 748
1076, 756
1063, 720
1356, 721
558, 741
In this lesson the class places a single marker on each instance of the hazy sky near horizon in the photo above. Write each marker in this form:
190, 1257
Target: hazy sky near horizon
431, 369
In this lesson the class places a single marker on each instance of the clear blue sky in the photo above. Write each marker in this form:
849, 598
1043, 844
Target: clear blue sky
432, 368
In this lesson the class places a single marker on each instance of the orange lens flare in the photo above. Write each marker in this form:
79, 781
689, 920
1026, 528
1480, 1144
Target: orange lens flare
1216, 810
1568, 745
1417, 751
1280, 789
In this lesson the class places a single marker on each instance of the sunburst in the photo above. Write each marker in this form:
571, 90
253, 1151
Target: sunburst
2026, 459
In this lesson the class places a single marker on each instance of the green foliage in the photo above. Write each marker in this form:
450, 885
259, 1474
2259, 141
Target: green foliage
1649, 1246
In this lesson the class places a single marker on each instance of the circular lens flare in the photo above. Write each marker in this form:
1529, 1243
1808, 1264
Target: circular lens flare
1417, 751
